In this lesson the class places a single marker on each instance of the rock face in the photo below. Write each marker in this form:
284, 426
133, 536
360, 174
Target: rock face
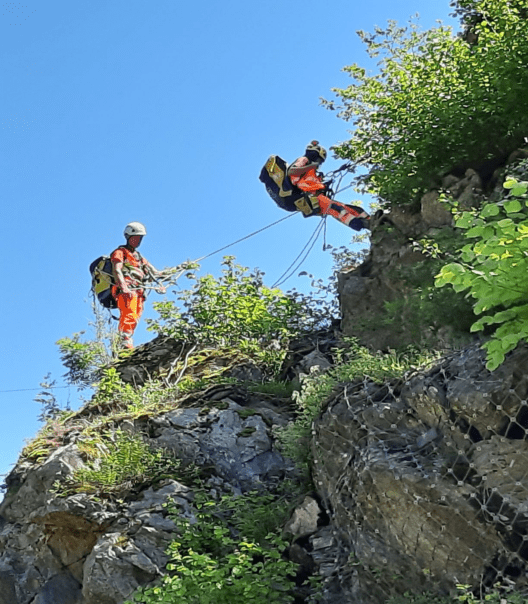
76, 550
420, 483
426, 480
365, 290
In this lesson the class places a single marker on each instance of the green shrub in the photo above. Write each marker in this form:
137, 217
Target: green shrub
83, 360
257, 515
234, 308
354, 363
492, 268
438, 100
237, 312
119, 460
210, 565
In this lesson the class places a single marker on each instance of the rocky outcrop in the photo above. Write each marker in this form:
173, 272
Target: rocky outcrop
367, 291
425, 479
80, 550
420, 483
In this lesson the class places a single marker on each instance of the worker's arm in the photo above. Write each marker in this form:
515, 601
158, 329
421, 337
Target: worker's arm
119, 278
301, 165
154, 274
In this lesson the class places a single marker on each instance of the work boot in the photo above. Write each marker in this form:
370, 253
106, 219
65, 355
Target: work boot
125, 340
359, 223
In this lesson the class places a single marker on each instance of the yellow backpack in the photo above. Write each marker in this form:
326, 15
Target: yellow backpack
102, 280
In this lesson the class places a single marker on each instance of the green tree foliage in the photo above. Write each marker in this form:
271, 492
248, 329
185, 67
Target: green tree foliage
237, 306
493, 269
438, 100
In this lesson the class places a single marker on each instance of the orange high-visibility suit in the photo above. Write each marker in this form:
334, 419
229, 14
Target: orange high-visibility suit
303, 174
130, 305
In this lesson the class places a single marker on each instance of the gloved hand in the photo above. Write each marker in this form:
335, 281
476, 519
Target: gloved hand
161, 289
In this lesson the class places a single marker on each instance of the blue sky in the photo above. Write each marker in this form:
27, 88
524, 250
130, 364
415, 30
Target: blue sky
162, 112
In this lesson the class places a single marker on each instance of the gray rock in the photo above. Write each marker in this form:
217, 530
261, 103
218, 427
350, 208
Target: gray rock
304, 519
406, 495
315, 361
434, 213
184, 418
60, 589
8, 593
424, 472
112, 573
34, 491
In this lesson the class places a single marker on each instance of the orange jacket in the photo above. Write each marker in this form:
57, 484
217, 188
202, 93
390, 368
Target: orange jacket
303, 174
134, 268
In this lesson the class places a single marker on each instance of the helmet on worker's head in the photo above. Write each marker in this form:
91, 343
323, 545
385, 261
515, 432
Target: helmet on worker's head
315, 148
134, 228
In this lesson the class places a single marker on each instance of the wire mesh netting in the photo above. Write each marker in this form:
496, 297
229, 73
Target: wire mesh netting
426, 479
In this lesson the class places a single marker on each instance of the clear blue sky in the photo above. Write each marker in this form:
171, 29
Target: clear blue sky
162, 112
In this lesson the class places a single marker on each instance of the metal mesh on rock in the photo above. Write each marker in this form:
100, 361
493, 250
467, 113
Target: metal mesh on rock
426, 479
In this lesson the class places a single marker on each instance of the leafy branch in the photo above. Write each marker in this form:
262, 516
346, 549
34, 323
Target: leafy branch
493, 267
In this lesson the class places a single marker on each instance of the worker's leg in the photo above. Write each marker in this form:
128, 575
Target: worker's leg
353, 216
130, 307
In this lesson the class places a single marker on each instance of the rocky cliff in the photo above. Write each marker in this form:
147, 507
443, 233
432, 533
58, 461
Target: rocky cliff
378, 298
417, 483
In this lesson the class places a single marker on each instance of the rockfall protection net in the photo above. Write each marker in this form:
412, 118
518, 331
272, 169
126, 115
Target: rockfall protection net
425, 480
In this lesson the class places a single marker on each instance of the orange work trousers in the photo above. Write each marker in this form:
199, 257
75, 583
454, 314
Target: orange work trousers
130, 307
353, 216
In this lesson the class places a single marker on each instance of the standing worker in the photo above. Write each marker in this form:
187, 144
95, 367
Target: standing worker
131, 273
303, 175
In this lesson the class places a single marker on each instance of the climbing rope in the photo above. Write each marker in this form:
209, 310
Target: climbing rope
179, 270
336, 175
242, 239
296, 265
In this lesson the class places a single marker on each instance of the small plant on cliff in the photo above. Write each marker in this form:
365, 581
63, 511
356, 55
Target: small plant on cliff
46, 397
212, 564
438, 100
119, 460
493, 269
84, 358
354, 364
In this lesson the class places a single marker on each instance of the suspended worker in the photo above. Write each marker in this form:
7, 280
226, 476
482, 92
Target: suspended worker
131, 273
300, 186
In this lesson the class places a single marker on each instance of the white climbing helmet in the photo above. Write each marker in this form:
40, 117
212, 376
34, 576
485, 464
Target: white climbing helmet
134, 228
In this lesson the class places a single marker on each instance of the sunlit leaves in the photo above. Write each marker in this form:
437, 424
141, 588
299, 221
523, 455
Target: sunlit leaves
238, 311
493, 269
437, 101
210, 565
